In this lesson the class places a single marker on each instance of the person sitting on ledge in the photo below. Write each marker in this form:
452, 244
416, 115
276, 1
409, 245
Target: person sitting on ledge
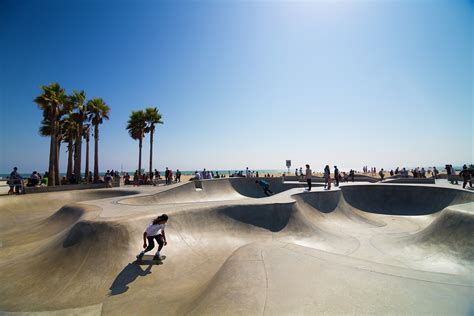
44, 180
34, 179
126, 178
72, 179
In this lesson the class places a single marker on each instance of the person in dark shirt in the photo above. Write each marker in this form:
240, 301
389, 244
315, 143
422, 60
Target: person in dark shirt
265, 186
336, 175
466, 175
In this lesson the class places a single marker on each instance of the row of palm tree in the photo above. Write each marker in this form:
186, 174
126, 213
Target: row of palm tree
69, 119
140, 123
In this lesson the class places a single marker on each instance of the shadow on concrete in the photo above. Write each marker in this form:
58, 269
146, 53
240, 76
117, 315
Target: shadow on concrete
129, 274
271, 217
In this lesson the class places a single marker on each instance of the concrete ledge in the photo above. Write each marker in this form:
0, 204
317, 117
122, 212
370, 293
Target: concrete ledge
410, 180
315, 179
69, 187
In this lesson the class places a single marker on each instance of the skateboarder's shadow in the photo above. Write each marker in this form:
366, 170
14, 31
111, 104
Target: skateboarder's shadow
131, 272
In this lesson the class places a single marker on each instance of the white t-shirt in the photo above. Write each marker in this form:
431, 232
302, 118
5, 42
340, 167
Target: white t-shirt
154, 230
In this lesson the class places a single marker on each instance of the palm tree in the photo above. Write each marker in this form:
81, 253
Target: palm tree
152, 116
52, 101
78, 99
136, 126
69, 132
98, 111
86, 134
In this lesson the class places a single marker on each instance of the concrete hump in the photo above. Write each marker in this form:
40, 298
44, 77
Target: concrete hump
89, 253
451, 232
227, 189
60, 221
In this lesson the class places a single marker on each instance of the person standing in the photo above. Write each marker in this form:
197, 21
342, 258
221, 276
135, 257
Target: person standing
178, 175
327, 178
170, 176
435, 173
451, 174
336, 175
309, 173
466, 175
136, 180
14, 181
167, 176
381, 174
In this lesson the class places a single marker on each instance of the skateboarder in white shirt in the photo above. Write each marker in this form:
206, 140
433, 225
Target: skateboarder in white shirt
156, 230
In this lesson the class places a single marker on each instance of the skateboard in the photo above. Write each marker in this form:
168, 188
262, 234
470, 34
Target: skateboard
148, 259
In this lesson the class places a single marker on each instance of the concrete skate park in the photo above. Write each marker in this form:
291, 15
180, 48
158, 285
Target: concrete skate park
361, 248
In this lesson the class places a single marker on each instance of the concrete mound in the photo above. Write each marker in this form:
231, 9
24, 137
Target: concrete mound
43, 229
46, 277
211, 190
452, 232
16, 210
332, 205
200, 191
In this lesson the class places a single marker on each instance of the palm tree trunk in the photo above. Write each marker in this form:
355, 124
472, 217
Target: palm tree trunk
52, 157
70, 148
152, 131
56, 165
140, 155
96, 153
87, 161
78, 152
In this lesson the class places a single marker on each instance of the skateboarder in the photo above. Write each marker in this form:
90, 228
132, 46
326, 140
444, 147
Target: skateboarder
156, 230
265, 186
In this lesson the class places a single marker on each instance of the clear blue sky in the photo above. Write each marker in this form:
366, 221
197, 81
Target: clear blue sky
245, 83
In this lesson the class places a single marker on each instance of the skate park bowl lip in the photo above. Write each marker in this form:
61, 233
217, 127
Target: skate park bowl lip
379, 198
392, 199
225, 189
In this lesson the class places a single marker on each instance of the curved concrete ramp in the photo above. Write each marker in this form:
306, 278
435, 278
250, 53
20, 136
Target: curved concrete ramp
344, 251
226, 189
402, 199
15, 209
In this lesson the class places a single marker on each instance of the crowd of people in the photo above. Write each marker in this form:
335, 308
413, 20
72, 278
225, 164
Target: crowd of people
16, 181
153, 178
205, 175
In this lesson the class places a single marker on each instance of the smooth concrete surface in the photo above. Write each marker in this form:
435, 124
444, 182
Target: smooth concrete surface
361, 248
